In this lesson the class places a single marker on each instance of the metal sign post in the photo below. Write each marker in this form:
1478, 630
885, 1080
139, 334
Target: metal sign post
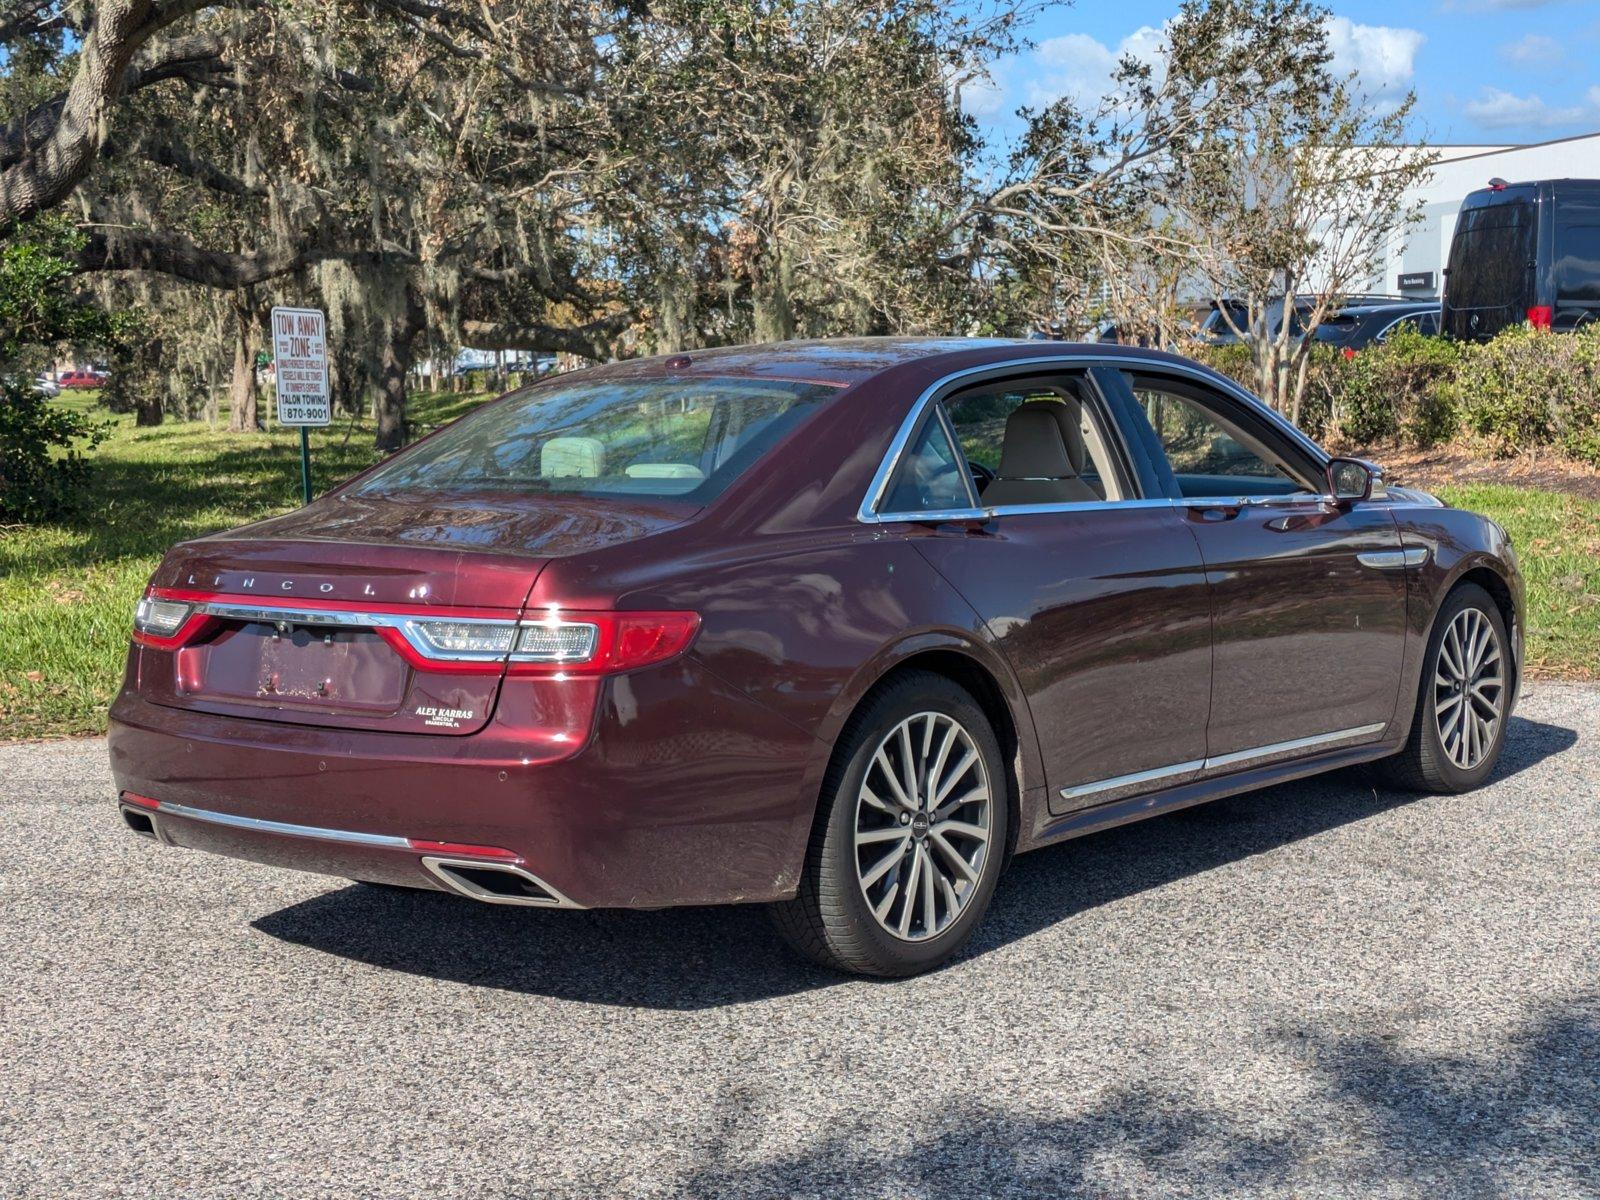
300, 358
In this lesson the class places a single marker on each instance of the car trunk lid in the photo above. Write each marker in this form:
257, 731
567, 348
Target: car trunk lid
310, 618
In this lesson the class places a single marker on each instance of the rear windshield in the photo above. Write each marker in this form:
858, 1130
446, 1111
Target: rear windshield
682, 439
1490, 255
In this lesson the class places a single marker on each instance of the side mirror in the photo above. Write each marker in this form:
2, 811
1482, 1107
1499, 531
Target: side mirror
1350, 480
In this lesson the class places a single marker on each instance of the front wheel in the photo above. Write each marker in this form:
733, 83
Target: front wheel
1464, 702
910, 838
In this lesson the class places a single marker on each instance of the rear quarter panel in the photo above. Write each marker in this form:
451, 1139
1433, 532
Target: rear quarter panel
804, 625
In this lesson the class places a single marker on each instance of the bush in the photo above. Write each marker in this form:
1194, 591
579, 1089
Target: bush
42, 468
1527, 389
1403, 387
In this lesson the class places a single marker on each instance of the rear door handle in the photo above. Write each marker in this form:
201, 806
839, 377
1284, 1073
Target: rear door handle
1215, 511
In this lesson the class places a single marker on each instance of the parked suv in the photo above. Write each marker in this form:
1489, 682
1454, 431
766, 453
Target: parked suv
1524, 252
1362, 325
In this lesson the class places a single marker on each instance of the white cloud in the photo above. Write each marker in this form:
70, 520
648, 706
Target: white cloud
985, 96
1383, 58
1533, 50
1079, 66
1499, 109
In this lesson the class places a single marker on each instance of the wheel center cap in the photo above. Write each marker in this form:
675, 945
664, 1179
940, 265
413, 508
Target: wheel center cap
919, 826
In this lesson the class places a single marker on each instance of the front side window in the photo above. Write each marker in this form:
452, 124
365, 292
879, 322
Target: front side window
671, 439
1211, 455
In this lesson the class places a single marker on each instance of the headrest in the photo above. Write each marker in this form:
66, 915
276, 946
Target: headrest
1034, 446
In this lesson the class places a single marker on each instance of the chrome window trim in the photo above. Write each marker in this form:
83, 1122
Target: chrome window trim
867, 513
1218, 762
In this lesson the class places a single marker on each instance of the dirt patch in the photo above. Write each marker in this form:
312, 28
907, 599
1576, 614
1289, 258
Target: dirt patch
1438, 466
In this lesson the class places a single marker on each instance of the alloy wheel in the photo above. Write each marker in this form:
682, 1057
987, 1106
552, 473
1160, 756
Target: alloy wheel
1469, 688
924, 816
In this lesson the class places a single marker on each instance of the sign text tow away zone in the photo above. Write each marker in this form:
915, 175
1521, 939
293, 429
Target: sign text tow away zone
300, 354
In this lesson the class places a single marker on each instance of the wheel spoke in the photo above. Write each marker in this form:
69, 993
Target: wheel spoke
912, 879
975, 796
936, 772
884, 865
928, 873
894, 833
881, 909
908, 765
955, 858
895, 786
963, 829
954, 777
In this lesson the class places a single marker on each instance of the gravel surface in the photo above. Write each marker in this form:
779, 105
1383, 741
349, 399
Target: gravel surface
1319, 990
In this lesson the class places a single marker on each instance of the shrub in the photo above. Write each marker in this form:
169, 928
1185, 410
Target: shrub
1402, 387
42, 468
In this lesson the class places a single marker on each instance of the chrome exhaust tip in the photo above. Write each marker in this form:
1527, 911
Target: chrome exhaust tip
495, 883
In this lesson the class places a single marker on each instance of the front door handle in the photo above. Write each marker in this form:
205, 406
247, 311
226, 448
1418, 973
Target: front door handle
1215, 510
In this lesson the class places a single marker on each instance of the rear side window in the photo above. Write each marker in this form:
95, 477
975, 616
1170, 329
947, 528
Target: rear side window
1490, 255
1578, 260
684, 439
932, 475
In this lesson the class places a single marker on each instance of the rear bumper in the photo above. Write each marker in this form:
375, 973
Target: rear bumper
686, 792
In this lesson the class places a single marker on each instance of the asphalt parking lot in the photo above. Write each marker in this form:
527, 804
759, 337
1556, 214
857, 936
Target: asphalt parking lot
1322, 990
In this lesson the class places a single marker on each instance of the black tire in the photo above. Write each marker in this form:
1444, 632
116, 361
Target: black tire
830, 920
1424, 765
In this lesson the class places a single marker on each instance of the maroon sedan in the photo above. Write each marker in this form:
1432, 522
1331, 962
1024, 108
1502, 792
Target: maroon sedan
835, 627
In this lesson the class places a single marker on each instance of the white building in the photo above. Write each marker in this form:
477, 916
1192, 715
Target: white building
1414, 266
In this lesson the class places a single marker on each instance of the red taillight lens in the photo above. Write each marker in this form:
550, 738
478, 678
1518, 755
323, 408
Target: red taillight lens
620, 641
462, 849
139, 801
1542, 316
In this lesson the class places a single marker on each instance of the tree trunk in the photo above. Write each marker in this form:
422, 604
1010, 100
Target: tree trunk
394, 372
243, 414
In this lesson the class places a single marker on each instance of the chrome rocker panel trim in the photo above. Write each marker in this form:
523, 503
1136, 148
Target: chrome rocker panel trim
1181, 772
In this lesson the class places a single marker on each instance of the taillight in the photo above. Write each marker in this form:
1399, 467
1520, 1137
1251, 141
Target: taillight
559, 642
163, 623
1542, 316
601, 643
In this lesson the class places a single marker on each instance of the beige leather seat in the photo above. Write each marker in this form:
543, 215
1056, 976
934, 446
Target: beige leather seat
1036, 464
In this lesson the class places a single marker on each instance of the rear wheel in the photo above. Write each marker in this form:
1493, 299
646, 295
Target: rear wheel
910, 838
1463, 703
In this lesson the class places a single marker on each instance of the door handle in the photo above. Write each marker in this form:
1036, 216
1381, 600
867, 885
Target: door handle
1215, 510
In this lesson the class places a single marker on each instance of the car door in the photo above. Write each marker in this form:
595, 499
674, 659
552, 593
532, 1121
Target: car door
1100, 605
1308, 596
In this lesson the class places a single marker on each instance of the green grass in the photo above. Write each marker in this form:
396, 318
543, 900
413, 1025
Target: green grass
1557, 537
67, 590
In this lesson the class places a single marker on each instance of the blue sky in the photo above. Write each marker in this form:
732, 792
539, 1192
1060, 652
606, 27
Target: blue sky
1485, 71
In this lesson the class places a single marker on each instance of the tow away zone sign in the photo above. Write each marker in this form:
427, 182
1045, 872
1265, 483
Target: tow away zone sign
300, 353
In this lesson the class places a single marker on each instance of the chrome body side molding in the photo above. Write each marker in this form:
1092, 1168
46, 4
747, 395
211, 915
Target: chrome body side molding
1108, 789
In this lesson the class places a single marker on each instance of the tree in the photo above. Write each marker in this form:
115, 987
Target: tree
1288, 194
42, 466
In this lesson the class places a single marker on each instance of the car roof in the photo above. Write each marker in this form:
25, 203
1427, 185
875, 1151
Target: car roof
843, 362
1394, 306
